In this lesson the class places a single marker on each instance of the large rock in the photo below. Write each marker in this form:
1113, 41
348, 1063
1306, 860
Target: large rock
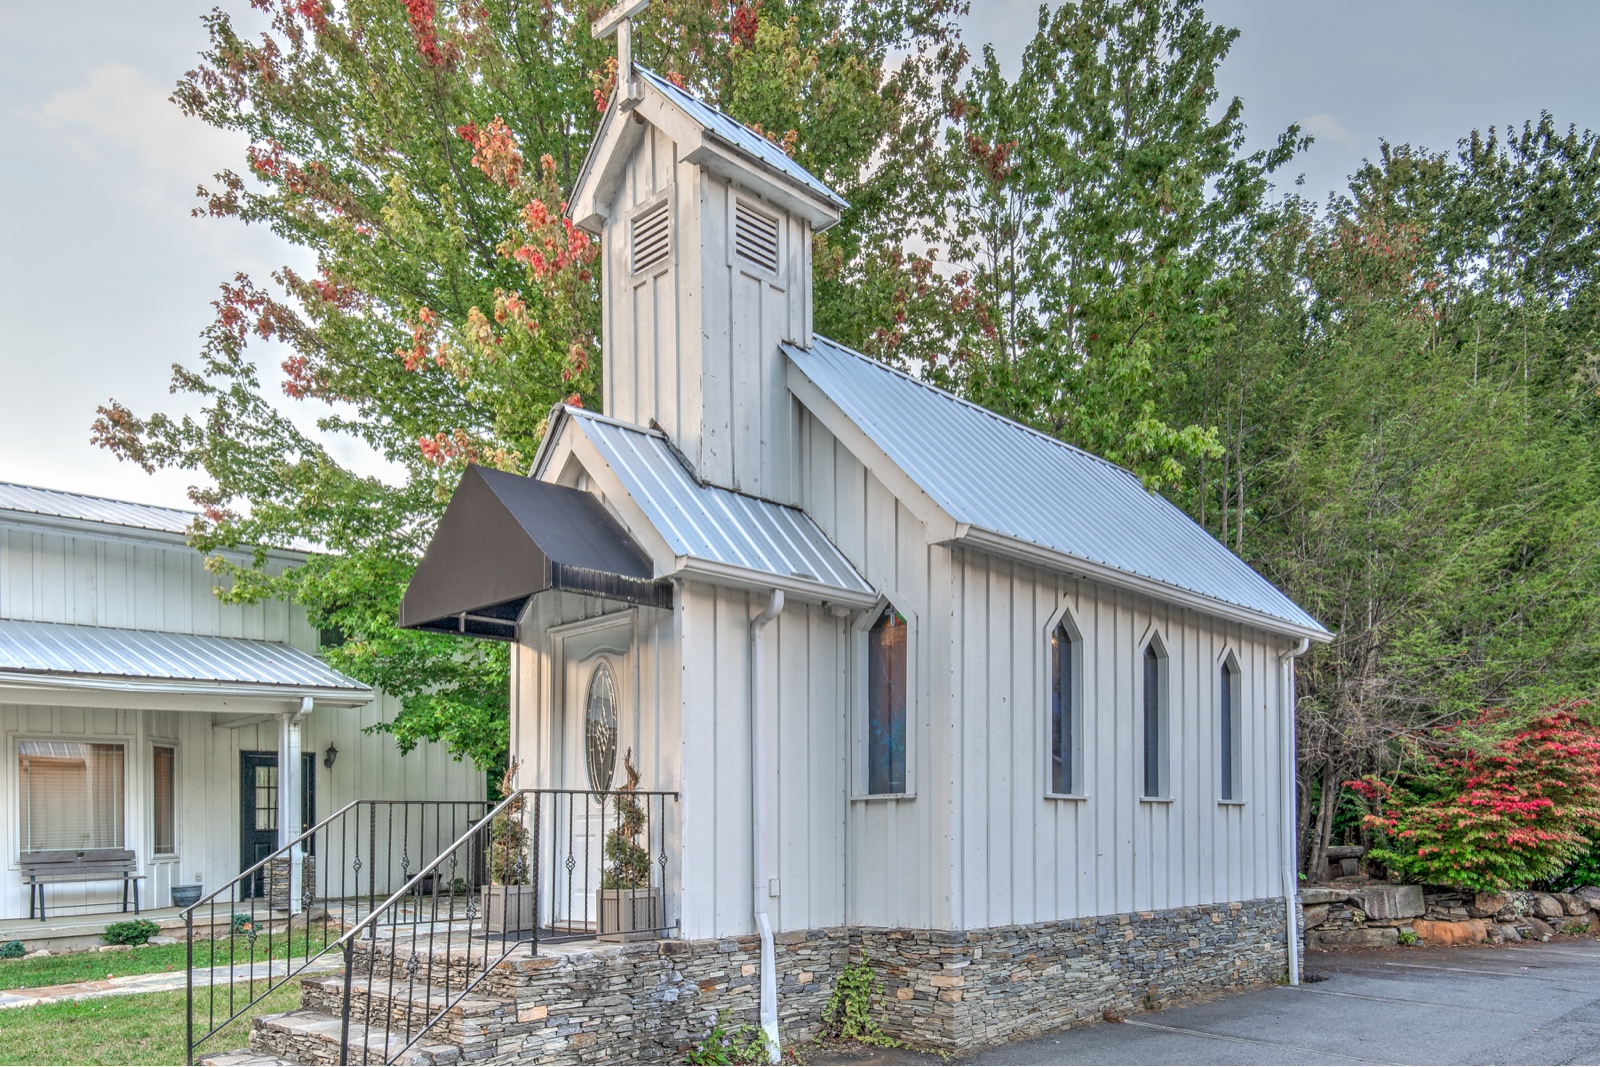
1470, 932
1314, 914
1574, 904
1548, 907
1591, 893
1486, 904
1538, 928
1509, 931
1360, 937
1324, 894
1389, 901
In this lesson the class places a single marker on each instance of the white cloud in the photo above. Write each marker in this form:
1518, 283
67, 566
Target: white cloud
1326, 127
119, 118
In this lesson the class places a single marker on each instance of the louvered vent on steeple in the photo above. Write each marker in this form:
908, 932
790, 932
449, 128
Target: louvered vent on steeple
652, 236
755, 237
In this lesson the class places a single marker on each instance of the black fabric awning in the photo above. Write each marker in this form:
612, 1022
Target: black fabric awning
504, 538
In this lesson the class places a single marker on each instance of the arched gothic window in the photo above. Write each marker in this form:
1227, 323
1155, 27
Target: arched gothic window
886, 704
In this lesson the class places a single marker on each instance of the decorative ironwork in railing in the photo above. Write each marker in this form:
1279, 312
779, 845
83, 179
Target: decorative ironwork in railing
245, 941
414, 939
563, 865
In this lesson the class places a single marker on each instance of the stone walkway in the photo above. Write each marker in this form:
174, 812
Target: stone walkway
158, 982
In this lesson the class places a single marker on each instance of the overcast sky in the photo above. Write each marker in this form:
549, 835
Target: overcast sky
105, 280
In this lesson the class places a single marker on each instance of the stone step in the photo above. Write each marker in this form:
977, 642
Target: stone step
243, 1057
312, 1037
469, 1021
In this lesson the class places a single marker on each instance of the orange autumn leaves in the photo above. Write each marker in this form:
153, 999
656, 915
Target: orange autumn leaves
559, 259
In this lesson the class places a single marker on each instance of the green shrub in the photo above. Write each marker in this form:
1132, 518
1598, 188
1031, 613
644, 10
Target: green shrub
130, 932
13, 950
1495, 804
1408, 937
720, 1048
849, 1011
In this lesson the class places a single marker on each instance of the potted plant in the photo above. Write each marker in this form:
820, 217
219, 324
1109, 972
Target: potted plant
508, 901
627, 903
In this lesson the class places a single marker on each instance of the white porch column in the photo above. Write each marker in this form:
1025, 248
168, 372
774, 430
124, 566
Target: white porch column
289, 814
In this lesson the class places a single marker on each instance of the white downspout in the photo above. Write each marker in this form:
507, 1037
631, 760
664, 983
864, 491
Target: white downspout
1291, 847
758, 820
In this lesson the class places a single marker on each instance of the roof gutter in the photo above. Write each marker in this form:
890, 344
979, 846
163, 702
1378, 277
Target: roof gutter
329, 696
1016, 548
803, 587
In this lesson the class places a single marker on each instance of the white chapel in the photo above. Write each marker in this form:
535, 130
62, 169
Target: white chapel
913, 672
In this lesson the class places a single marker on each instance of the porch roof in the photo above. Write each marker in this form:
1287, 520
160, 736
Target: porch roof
61, 657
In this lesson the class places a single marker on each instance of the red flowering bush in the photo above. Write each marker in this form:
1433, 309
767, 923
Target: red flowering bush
1492, 814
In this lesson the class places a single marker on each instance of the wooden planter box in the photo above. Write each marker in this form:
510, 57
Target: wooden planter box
507, 909
628, 914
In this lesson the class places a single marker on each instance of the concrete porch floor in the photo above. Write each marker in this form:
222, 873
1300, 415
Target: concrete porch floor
61, 933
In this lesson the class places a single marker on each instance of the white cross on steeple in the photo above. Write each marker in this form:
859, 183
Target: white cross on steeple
619, 20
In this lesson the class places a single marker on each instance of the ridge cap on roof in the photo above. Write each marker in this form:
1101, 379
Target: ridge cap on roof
962, 401
666, 86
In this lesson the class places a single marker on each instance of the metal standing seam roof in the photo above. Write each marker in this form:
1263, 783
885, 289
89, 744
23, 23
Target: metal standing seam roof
711, 523
998, 475
62, 505
61, 649
741, 137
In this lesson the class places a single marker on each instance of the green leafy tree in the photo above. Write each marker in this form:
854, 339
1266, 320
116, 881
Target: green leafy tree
420, 151
1093, 203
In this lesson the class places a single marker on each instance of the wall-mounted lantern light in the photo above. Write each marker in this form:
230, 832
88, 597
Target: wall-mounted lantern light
329, 756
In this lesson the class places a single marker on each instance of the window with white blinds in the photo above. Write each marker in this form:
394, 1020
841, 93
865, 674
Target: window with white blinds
163, 815
755, 237
71, 795
652, 237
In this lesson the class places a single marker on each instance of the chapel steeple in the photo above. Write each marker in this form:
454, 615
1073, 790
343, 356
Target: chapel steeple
706, 249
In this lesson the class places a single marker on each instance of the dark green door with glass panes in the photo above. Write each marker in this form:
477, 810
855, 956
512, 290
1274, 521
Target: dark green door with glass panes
258, 809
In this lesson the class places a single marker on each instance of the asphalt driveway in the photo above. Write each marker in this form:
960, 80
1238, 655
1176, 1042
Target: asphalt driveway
1526, 1003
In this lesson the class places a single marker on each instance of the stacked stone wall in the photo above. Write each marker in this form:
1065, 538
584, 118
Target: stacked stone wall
955, 992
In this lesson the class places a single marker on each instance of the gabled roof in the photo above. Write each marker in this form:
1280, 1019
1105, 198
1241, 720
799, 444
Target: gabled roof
66, 656
505, 538
54, 503
742, 137
704, 137
708, 528
1022, 488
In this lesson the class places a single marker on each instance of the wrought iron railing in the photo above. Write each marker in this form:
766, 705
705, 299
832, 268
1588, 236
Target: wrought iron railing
562, 865
245, 940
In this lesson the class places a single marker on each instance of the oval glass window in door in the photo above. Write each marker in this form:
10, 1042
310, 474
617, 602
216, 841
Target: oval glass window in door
600, 727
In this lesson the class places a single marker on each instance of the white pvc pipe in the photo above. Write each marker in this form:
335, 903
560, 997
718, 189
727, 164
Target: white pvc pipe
1291, 848
758, 821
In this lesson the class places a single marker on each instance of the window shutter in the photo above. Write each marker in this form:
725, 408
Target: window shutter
652, 237
755, 237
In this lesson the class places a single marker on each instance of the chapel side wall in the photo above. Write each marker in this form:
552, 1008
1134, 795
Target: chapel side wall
50, 574
1027, 859
899, 863
806, 761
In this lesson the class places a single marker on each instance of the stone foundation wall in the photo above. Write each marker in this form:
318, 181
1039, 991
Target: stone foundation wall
952, 991
957, 992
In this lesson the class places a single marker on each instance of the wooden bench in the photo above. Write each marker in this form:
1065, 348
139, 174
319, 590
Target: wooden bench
40, 869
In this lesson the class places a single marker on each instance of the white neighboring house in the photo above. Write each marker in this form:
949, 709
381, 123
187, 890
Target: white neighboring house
911, 666
139, 711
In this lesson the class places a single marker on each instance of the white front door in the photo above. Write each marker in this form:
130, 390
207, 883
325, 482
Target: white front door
596, 707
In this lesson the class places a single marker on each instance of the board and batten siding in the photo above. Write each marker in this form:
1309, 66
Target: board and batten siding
1026, 858
137, 579
982, 845
692, 342
136, 582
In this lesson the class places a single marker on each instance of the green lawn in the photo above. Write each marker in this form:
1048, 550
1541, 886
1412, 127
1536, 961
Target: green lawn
146, 1028
146, 959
